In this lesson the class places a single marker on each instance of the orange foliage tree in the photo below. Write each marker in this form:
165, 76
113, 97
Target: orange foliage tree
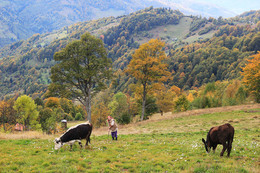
147, 66
164, 99
100, 113
7, 113
251, 74
52, 102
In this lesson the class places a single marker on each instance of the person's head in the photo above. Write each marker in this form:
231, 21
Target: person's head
109, 118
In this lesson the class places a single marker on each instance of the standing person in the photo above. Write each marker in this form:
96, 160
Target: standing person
113, 127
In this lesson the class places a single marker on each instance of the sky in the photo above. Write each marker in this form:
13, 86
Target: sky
235, 6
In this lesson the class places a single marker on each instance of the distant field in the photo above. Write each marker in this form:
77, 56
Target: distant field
173, 34
168, 144
171, 31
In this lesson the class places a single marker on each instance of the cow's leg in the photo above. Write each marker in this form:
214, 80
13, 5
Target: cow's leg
229, 147
88, 139
224, 148
80, 144
214, 148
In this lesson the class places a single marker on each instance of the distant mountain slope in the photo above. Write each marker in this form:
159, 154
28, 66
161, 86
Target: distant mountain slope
25, 65
21, 19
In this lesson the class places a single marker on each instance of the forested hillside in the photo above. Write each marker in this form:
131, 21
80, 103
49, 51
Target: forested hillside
200, 50
21, 19
218, 59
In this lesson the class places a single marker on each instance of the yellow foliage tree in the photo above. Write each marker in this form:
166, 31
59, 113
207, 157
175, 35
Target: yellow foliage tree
52, 102
190, 97
147, 66
7, 113
164, 99
251, 74
100, 113
176, 90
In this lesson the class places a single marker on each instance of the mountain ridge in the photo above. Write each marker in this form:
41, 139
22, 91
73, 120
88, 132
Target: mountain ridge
22, 19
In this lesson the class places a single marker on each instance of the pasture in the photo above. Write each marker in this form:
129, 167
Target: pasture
157, 145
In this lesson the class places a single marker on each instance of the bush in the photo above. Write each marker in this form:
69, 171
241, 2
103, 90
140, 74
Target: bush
241, 95
181, 104
124, 119
210, 87
67, 117
206, 102
79, 116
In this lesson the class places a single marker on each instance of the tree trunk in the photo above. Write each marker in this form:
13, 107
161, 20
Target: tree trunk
161, 112
144, 101
88, 105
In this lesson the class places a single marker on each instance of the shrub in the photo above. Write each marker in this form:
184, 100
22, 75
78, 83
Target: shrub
67, 117
181, 104
78, 116
124, 119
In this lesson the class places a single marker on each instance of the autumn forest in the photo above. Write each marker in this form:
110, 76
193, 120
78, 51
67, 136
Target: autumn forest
137, 65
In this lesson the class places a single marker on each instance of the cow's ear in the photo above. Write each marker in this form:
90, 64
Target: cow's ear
203, 140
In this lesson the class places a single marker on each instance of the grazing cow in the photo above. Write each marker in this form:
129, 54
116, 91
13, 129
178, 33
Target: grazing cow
75, 134
223, 135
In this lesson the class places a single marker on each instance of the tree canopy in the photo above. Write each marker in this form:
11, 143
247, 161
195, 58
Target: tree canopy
27, 112
251, 74
81, 71
147, 66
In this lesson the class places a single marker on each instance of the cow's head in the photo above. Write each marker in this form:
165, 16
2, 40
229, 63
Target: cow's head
206, 144
58, 143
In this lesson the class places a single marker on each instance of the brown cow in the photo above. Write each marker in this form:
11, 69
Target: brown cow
223, 135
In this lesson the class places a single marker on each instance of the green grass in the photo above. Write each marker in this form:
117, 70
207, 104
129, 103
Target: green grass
174, 146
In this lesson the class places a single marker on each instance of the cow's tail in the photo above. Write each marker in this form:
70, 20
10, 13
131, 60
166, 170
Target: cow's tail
89, 133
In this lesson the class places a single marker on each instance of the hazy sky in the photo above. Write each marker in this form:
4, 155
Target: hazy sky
235, 6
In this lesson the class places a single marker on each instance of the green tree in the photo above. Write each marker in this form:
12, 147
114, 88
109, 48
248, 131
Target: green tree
78, 116
147, 67
118, 106
27, 113
47, 119
181, 104
81, 71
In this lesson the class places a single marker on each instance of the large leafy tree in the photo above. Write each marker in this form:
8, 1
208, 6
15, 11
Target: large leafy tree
251, 74
81, 71
27, 113
148, 67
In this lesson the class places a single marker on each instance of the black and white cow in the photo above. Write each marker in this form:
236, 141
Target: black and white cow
75, 134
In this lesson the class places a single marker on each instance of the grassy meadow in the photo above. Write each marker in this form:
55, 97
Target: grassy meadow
166, 145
